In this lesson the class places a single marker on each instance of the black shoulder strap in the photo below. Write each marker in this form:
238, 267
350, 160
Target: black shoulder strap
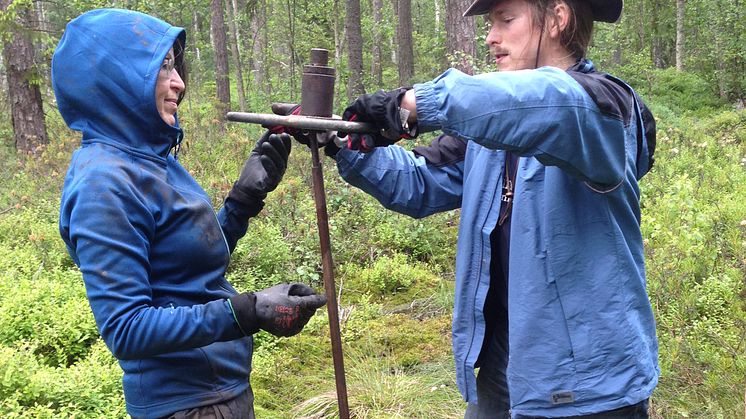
442, 151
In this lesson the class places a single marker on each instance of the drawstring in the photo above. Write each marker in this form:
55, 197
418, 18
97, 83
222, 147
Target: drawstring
538, 48
177, 146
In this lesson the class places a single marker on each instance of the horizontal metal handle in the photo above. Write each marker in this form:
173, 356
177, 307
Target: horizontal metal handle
302, 122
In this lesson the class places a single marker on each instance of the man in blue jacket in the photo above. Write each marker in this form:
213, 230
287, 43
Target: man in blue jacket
151, 249
543, 158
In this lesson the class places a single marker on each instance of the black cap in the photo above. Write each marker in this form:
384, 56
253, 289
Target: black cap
603, 10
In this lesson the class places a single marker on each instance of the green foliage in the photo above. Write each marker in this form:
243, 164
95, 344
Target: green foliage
377, 389
50, 312
362, 230
693, 222
391, 361
387, 277
8, 18
261, 259
35, 231
680, 93
714, 50
394, 274
90, 388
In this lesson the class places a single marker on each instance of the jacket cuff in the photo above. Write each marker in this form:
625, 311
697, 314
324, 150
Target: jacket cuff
428, 111
243, 307
244, 204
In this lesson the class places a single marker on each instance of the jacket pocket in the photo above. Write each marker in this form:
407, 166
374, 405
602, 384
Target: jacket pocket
586, 273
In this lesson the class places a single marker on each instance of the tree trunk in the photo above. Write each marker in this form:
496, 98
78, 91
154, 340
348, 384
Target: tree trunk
721, 72
240, 32
264, 46
404, 38
376, 68
392, 41
740, 61
656, 41
3, 85
461, 36
24, 97
256, 27
355, 85
196, 24
290, 23
641, 22
680, 35
236, 56
217, 31
339, 46
42, 25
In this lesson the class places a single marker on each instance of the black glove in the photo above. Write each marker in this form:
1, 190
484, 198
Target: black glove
280, 108
281, 310
382, 109
262, 172
325, 140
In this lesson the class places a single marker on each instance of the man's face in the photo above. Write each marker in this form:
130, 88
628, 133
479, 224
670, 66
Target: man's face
167, 89
512, 37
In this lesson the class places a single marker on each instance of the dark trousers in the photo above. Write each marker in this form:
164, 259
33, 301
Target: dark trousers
492, 382
636, 411
240, 407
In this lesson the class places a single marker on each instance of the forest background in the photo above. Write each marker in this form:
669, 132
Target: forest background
687, 58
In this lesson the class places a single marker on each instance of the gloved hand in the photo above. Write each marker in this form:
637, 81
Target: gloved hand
262, 172
382, 109
282, 310
325, 140
280, 108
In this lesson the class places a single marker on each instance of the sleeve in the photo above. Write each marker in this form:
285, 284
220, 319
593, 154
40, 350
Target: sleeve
418, 184
649, 129
109, 229
542, 113
234, 220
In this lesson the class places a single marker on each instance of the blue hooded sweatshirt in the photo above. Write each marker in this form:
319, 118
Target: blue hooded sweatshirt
152, 252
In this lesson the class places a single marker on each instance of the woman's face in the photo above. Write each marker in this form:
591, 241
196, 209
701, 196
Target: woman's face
167, 89
513, 38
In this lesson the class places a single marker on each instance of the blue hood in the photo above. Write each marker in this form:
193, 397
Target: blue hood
104, 73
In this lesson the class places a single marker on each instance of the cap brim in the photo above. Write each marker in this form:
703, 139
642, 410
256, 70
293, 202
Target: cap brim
480, 7
603, 10
606, 10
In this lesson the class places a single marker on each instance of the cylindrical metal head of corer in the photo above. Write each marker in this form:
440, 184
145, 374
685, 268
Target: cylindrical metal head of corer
317, 90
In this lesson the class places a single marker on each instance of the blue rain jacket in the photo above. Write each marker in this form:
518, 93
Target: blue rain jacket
152, 252
581, 329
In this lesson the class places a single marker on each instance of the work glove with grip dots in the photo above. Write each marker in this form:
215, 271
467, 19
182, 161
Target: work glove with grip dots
261, 172
282, 310
325, 140
382, 110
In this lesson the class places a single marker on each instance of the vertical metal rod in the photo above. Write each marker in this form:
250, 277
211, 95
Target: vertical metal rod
327, 265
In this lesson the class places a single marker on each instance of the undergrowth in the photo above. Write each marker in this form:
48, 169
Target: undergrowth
394, 277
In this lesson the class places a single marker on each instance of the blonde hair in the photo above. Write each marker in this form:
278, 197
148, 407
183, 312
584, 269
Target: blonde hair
576, 36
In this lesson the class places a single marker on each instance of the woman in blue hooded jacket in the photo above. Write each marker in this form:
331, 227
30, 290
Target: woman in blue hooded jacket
543, 158
151, 249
